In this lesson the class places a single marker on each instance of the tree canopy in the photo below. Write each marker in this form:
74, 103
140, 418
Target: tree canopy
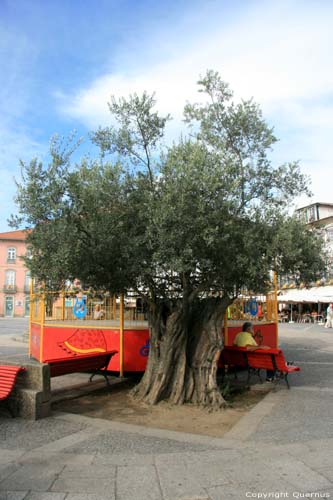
187, 226
210, 210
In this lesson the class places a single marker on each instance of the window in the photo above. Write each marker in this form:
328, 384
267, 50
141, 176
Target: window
27, 306
11, 254
10, 279
27, 281
29, 253
329, 233
311, 214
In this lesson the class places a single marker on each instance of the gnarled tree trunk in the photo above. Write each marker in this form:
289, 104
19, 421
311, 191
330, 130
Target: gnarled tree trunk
186, 343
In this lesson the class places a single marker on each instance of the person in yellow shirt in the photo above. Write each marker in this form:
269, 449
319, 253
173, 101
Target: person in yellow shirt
245, 338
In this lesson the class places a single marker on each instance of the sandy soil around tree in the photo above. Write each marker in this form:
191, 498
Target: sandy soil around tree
119, 405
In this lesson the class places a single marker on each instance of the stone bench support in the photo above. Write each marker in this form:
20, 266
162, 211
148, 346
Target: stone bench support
31, 397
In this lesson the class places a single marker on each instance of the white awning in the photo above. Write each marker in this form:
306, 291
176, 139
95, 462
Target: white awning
315, 294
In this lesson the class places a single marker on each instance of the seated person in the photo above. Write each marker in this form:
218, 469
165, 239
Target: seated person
245, 338
98, 312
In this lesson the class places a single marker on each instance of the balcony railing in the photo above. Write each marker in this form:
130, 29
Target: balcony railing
9, 288
11, 261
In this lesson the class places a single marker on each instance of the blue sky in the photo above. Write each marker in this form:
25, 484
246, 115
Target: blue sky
60, 60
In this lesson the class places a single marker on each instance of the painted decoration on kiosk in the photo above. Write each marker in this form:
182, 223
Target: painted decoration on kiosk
253, 307
80, 308
84, 342
144, 351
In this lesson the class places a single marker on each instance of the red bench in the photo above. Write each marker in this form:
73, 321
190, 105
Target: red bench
260, 359
8, 376
233, 359
96, 363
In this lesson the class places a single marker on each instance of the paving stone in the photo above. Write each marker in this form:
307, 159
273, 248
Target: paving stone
268, 452
139, 483
278, 489
316, 459
123, 460
308, 417
7, 456
326, 472
47, 495
226, 493
244, 470
112, 442
301, 476
26, 434
201, 457
320, 444
214, 474
56, 458
90, 484
102, 471
26, 483
88, 496
35, 477
178, 482
7, 470
13, 495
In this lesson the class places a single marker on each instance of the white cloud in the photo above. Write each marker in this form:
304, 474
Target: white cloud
278, 52
273, 53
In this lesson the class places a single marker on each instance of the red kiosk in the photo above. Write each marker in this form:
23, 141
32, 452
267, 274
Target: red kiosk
63, 325
59, 331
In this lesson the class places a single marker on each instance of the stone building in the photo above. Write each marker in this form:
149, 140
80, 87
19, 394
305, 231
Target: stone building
14, 276
320, 215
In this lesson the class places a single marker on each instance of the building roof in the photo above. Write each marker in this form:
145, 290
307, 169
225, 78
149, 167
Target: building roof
321, 204
14, 235
323, 294
323, 220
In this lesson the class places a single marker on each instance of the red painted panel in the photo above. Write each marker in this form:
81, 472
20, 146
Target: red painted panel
66, 342
35, 341
136, 350
267, 330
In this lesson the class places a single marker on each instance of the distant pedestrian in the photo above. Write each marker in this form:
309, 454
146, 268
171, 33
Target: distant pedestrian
329, 318
98, 312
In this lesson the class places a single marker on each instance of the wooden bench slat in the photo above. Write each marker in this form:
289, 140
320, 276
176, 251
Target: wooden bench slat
234, 358
282, 365
260, 360
8, 376
97, 363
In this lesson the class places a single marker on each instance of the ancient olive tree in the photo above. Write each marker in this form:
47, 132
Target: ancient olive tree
186, 227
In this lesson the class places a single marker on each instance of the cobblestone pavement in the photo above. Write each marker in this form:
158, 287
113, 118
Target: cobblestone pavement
283, 448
